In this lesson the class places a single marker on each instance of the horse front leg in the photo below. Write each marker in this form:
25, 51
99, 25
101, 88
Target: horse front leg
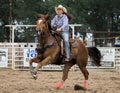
30, 64
46, 61
31, 61
65, 74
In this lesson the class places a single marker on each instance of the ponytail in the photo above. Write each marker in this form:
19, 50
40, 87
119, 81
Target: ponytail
70, 17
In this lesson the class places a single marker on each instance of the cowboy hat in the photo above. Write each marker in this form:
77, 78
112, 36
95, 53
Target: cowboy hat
61, 7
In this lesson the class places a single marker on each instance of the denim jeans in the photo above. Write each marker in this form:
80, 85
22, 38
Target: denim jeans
65, 36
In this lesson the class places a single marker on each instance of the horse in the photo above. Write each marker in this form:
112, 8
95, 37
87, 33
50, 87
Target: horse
49, 52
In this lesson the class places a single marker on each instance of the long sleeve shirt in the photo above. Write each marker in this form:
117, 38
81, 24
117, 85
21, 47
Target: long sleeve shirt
61, 22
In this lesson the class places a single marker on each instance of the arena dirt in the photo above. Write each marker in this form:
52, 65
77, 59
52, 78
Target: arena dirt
100, 81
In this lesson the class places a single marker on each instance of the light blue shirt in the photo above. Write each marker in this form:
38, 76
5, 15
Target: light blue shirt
61, 22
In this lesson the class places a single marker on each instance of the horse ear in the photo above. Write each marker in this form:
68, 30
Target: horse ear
39, 16
47, 16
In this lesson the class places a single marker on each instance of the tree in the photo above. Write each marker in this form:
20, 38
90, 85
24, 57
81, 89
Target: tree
99, 15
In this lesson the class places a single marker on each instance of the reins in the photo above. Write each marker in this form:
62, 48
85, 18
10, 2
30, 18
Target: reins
53, 33
48, 45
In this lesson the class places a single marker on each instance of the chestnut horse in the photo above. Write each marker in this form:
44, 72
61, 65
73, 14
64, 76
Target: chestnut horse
49, 52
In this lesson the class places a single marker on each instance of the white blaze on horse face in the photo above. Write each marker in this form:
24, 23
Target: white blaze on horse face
39, 21
39, 25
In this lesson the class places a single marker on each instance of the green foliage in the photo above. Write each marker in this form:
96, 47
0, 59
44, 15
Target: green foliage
99, 15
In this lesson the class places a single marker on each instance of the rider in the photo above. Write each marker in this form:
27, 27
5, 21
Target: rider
61, 20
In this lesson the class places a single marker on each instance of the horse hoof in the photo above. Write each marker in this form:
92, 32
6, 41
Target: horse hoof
85, 84
34, 75
59, 84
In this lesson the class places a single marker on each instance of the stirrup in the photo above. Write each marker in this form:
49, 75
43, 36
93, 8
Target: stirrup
67, 59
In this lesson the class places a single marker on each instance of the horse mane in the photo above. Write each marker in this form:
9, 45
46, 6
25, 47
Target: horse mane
49, 25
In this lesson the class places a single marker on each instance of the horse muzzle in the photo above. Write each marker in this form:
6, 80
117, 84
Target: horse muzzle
39, 31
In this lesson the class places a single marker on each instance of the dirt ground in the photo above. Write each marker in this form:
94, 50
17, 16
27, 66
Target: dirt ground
100, 81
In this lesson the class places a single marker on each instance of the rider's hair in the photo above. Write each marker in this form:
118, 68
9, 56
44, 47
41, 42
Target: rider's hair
70, 17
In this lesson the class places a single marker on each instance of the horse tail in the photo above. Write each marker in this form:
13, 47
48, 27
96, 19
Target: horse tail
95, 55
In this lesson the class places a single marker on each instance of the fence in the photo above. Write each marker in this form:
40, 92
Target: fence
18, 55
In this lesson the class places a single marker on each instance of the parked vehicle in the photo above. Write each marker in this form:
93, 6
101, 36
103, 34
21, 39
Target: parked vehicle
117, 42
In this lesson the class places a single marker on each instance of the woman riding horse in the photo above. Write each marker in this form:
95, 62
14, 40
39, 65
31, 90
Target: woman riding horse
61, 21
49, 52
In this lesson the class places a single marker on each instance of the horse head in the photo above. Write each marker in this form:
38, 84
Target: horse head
42, 22
42, 27
44, 30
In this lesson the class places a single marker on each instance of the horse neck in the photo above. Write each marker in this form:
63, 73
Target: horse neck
47, 32
46, 35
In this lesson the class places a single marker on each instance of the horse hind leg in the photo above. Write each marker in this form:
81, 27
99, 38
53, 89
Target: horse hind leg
65, 74
86, 74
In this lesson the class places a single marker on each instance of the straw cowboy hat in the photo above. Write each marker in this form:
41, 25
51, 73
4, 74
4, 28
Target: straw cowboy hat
61, 7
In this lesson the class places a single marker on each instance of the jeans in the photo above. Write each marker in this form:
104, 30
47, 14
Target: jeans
65, 36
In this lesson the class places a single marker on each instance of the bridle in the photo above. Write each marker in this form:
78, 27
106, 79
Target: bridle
52, 32
42, 36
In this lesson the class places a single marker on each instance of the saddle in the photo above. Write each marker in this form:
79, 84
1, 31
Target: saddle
73, 43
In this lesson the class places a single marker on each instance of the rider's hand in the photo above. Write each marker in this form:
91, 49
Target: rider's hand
59, 29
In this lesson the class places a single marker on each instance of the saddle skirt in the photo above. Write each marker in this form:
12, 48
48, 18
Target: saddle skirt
73, 43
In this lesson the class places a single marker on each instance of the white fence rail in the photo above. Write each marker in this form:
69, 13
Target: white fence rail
14, 55
19, 55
